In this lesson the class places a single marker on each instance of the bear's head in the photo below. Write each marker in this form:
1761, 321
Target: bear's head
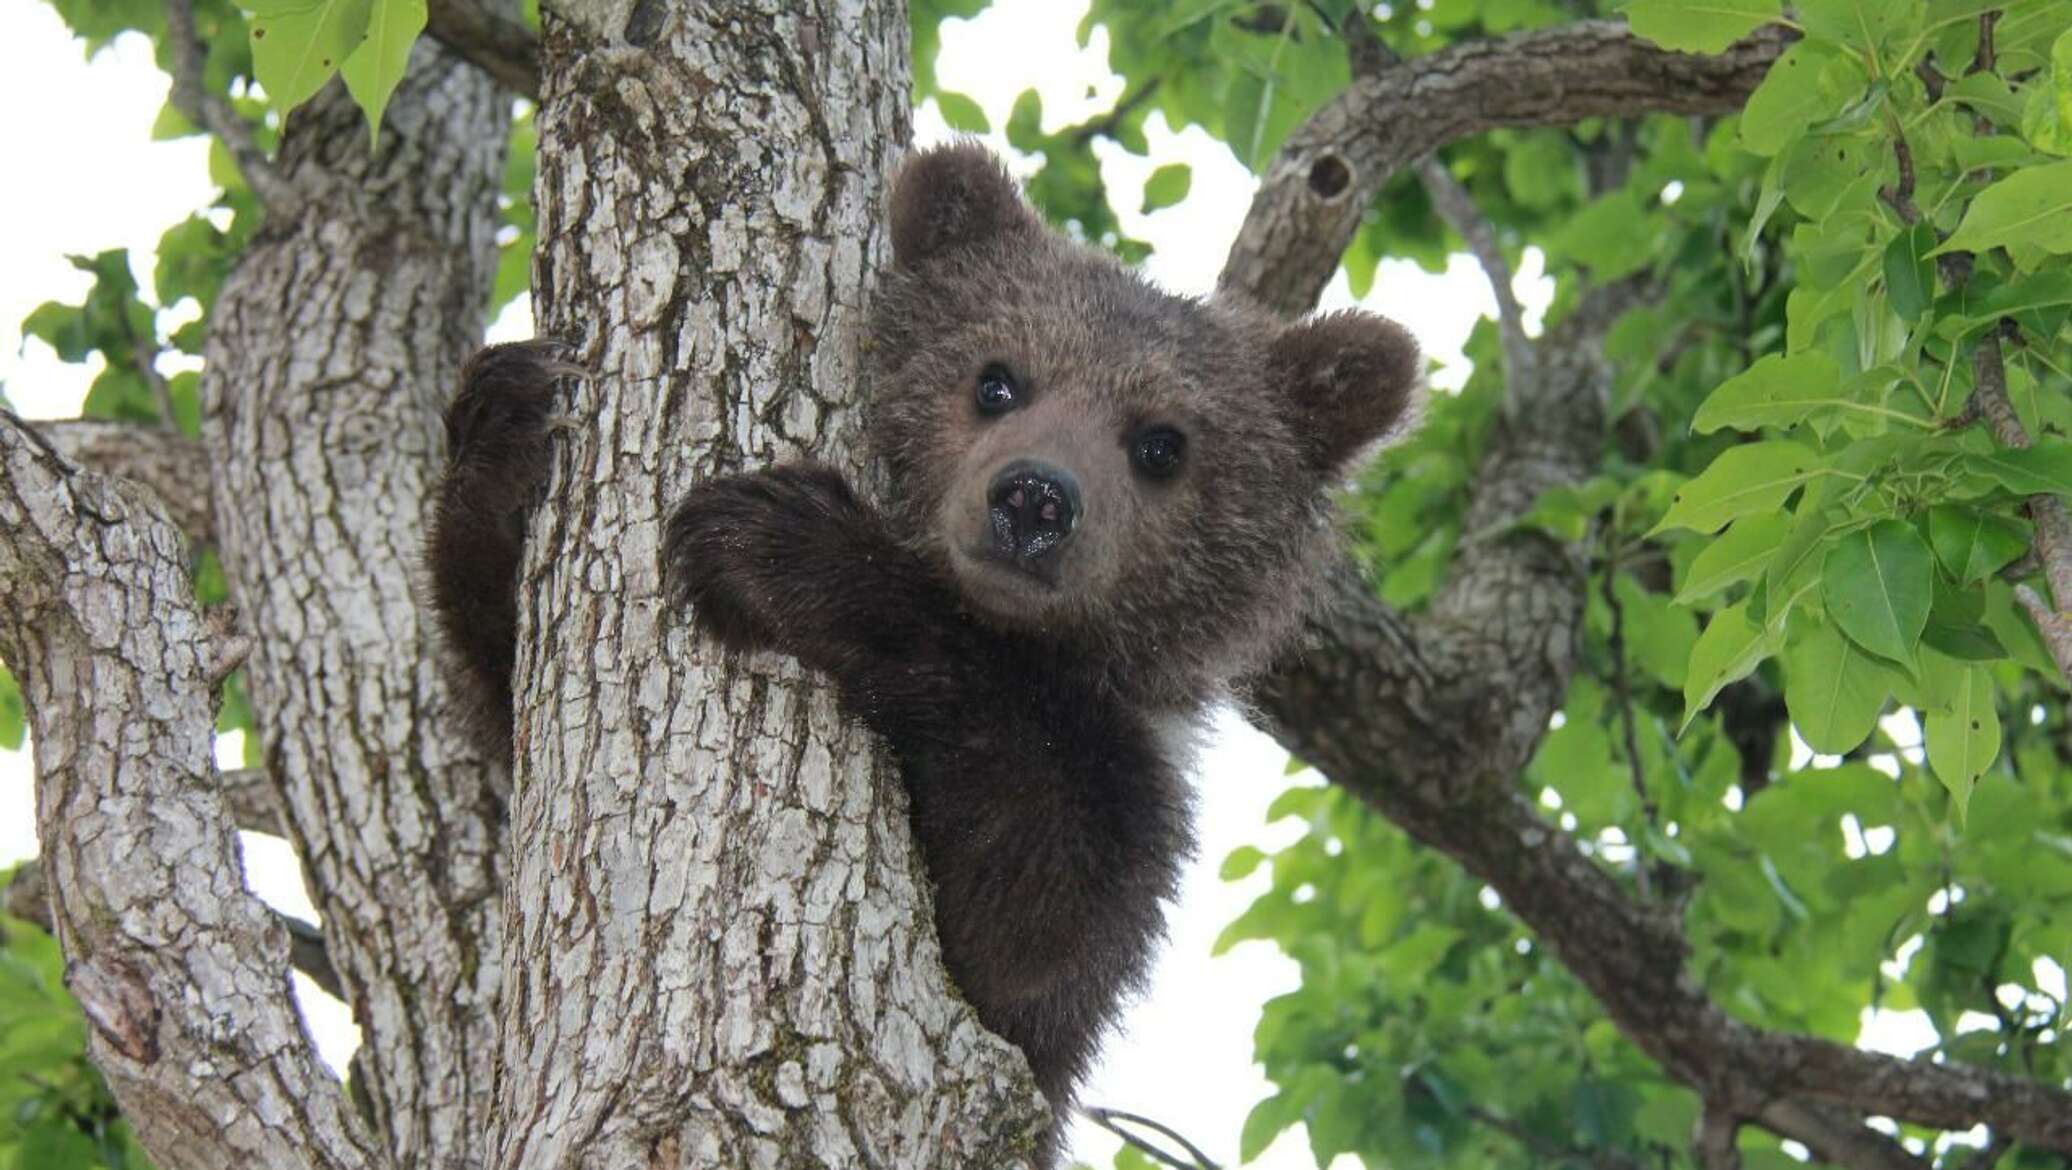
1136, 475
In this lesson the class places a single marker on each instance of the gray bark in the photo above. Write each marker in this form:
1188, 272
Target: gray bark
719, 951
332, 348
181, 973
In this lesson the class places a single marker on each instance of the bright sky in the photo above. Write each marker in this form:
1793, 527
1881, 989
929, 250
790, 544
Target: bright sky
1185, 1055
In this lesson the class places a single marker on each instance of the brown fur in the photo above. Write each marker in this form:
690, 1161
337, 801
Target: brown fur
1026, 704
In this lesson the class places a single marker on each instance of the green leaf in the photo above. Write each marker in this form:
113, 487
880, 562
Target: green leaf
1240, 864
1860, 24
1660, 635
1810, 83
298, 44
1025, 122
1973, 544
1775, 392
2044, 469
373, 70
2047, 115
1265, 1123
12, 716
1731, 647
1738, 555
1909, 273
962, 113
2032, 207
1167, 186
1964, 738
1610, 237
1698, 26
1744, 480
1877, 583
1834, 691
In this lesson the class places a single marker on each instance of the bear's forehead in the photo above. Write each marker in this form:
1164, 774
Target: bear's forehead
1087, 297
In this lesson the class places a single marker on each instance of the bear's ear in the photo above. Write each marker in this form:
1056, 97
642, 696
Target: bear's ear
1348, 377
949, 198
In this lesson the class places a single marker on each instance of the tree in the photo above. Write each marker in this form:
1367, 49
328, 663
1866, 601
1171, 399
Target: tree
1571, 894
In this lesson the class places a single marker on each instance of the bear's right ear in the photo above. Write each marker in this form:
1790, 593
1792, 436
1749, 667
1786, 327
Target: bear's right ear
1349, 379
949, 198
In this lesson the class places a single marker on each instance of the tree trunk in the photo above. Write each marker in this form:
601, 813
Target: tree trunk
332, 349
719, 953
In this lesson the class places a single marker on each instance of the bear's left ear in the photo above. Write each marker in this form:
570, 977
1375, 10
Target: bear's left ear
953, 197
1348, 378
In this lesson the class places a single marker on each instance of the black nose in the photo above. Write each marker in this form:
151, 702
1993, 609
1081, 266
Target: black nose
1033, 508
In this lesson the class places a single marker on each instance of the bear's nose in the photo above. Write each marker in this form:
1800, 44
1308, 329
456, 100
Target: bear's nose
1033, 508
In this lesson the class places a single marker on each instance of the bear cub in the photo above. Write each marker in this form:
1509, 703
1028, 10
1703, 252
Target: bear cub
1105, 502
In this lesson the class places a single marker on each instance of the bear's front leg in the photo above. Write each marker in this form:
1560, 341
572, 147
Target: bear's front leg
497, 429
788, 559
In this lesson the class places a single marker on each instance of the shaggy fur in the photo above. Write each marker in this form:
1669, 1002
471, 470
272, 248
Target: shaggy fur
1023, 694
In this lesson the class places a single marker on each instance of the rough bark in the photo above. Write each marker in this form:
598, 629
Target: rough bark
167, 462
1429, 719
181, 973
331, 350
718, 953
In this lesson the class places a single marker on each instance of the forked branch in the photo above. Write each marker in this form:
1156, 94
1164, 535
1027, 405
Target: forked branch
181, 972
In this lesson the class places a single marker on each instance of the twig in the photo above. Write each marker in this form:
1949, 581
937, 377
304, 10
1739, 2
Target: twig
1454, 205
1106, 124
1622, 694
214, 114
2053, 525
1114, 1120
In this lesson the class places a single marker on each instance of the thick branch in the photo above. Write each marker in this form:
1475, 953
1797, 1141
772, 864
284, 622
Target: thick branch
28, 898
495, 44
1330, 170
180, 971
170, 464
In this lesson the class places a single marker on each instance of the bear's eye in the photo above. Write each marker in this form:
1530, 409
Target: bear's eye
1157, 450
996, 390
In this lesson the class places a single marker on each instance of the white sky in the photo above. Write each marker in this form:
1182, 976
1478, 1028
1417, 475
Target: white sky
98, 182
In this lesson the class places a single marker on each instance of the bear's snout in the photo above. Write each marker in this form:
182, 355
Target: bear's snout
1033, 507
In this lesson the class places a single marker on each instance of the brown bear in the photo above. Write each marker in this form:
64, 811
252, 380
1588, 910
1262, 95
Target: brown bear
1106, 502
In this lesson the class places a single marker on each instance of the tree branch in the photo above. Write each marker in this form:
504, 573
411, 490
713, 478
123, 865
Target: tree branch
1331, 169
503, 48
214, 114
180, 971
170, 464
28, 898
1454, 205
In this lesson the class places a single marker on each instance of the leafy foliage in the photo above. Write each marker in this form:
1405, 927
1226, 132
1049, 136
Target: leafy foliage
54, 1109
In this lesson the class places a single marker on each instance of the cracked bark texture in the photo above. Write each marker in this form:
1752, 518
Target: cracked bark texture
718, 951
332, 349
182, 974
